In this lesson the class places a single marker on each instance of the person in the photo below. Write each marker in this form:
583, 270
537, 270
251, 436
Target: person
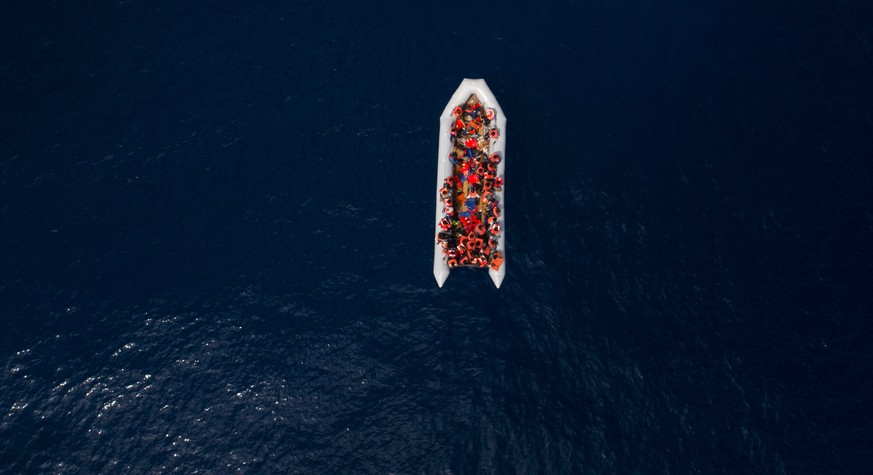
496, 260
472, 200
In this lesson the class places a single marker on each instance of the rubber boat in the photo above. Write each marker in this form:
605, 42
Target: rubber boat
470, 212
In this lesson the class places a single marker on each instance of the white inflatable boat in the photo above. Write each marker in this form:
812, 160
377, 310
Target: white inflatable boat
469, 192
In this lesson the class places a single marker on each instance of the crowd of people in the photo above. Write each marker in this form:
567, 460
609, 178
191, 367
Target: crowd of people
470, 227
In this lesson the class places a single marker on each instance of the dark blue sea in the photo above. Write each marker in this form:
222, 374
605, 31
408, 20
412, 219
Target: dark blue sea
217, 229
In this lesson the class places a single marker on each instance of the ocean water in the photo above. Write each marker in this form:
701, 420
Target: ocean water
216, 231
